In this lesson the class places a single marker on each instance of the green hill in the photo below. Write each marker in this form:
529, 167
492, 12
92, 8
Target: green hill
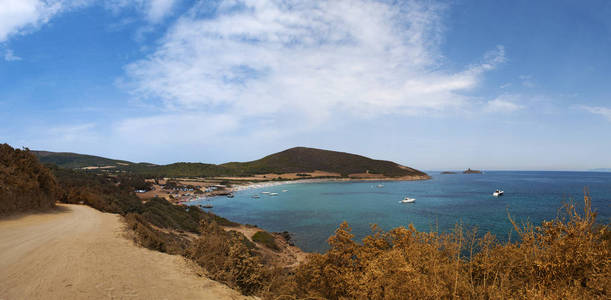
302, 159
74, 160
294, 160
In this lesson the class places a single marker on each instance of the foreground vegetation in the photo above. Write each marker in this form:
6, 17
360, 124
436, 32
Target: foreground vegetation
24, 183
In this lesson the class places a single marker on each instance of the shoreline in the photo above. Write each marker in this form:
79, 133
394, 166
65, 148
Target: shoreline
264, 184
248, 185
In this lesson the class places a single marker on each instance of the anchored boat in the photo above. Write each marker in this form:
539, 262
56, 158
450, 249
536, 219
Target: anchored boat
408, 200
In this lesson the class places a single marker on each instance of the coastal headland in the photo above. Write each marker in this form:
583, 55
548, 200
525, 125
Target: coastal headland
184, 181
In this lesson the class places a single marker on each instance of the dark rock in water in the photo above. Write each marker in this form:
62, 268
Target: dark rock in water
448, 172
469, 171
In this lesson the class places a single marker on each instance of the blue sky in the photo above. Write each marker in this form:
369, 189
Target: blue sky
431, 84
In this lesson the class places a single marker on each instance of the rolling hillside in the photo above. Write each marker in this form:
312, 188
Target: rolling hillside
74, 160
302, 159
294, 160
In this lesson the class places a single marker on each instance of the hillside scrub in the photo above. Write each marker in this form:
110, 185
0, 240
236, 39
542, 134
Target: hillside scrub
228, 257
266, 239
24, 183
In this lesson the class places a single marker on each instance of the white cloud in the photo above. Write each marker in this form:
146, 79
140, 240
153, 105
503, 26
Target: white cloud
10, 56
18, 17
159, 9
598, 110
503, 104
23, 16
154, 10
312, 60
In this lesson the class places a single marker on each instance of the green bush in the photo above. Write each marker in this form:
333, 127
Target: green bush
266, 239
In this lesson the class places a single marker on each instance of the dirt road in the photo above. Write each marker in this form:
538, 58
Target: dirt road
80, 253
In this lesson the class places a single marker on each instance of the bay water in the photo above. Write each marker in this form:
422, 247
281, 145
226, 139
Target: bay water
312, 211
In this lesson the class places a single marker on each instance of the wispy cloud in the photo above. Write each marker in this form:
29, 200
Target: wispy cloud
527, 81
159, 9
310, 60
598, 110
155, 11
23, 16
503, 104
10, 56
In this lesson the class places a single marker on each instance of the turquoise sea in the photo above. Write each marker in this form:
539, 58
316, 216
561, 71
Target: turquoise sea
312, 211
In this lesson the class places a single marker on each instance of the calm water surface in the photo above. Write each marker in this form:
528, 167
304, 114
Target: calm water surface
312, 211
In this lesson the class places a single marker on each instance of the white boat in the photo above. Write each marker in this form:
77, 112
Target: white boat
408, 200
256, 196
264, 192
498, 193
380, 185
273, 194
284, 191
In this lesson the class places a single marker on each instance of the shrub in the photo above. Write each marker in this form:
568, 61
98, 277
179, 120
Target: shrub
24, 183
147, 236
266, 239
227, 258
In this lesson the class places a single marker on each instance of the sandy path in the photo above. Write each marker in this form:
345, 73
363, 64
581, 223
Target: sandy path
81, 253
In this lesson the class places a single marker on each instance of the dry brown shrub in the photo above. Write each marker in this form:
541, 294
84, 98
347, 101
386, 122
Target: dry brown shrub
25, 184
149, 237
227, 258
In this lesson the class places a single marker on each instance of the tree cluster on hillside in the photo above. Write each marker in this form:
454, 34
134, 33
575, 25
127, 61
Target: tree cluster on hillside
24, 183
298, 159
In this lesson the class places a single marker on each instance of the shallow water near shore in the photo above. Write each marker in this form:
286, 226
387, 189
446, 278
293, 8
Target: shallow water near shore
312, 211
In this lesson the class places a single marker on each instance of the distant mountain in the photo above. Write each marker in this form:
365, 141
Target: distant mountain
294, 160
601, 170
302, 159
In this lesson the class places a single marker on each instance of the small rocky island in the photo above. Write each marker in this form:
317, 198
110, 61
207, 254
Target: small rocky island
469, 171
448, 172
